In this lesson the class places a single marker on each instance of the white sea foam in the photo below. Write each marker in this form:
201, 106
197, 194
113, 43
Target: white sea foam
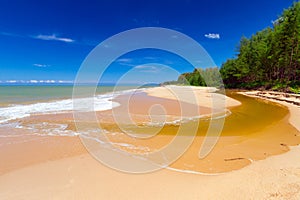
100, 103
48, 129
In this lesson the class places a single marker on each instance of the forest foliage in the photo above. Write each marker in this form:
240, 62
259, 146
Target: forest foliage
269, 59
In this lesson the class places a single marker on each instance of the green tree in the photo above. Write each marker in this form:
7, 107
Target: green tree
270, 58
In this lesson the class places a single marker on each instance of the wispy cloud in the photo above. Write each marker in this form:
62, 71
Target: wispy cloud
125, 62
41, 65
145, 67
54, 38
151, 58
10, 34
148, 68
11, 81
213, 36
122, 60
35, 81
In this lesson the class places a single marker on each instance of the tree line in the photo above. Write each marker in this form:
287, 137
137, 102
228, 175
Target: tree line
199, 77
269, 59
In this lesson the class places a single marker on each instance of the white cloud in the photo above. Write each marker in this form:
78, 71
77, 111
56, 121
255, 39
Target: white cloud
40, 65
145, 67
11, 81
213, 36
124, 60
54, 38
60, 81
148, 68
33, 81
141, 67
49, 81
36, 81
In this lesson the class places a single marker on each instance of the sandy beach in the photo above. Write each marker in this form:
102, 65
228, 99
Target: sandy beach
200, 95
69, 172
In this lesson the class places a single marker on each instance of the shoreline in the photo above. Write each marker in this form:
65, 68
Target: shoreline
293, 105
81, 176
222, 155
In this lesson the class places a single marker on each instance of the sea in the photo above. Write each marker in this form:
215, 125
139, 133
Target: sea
17, 102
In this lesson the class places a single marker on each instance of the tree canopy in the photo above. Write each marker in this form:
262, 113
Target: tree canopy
199, 77
270, 59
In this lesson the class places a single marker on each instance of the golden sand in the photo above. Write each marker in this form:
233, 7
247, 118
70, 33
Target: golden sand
234, 150
66, 175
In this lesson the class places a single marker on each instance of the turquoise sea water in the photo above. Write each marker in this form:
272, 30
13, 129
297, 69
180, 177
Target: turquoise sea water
251, 117
17, 102
28, 94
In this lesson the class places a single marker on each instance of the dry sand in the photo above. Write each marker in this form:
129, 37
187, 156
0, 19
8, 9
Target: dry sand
82, 177
193, 95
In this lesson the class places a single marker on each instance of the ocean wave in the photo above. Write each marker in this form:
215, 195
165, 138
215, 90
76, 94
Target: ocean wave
101, 102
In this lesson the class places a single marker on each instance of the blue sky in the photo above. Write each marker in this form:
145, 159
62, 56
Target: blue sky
46, 41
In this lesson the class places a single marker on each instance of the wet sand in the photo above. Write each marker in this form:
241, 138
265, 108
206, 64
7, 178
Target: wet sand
27, 151
236, 148
69, 169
